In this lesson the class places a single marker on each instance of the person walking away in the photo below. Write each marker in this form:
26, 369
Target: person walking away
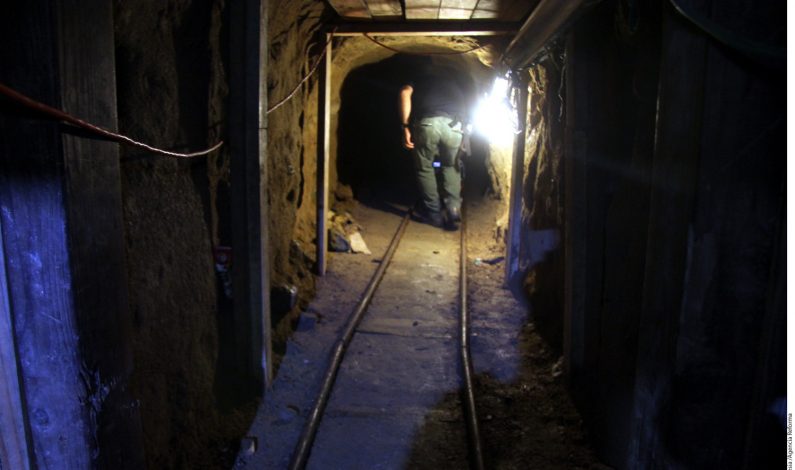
431, 112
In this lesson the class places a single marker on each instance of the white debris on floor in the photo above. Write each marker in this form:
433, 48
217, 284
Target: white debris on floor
358, 245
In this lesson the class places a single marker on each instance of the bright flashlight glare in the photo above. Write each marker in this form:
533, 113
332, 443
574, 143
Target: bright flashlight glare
494, 117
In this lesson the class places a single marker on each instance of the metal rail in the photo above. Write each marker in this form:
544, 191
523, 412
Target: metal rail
304, 447
470, 412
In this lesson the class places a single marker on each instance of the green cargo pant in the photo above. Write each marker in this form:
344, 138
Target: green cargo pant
433, 137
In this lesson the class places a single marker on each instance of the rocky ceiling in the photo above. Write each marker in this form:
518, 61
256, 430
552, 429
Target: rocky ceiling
493, 10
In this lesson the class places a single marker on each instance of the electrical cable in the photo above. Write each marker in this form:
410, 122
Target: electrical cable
77, 122
726, 37
306, 77
420, 53
323, 53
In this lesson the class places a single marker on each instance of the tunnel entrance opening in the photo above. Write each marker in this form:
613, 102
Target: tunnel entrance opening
371, 158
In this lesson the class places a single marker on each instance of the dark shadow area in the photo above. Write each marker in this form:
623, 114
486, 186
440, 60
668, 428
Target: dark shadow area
527, 416
195, 400
672, 233
370, 157
529, 422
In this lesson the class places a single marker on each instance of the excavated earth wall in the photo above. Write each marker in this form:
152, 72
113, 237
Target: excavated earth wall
542, 211
172, 91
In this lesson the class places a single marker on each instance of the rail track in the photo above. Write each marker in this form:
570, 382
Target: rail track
314, 418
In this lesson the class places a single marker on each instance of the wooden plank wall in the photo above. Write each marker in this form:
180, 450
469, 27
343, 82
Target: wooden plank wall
733, 239
675, 206
607, 182
673, 187
62, 233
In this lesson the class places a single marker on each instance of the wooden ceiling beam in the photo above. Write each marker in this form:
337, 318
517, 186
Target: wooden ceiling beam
425, 28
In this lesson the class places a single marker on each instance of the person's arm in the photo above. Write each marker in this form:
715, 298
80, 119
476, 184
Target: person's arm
405, 112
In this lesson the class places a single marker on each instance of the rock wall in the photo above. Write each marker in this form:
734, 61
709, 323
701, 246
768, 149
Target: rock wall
295, 46
171, 94
541, 252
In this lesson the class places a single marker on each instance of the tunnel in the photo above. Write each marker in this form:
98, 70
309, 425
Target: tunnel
198, 199
371, 159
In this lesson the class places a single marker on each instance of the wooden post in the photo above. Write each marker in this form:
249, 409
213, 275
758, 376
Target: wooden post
513, 242
323, 158
62, 234
249, 196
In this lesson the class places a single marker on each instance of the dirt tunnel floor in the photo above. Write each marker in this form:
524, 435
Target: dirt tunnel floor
527, 419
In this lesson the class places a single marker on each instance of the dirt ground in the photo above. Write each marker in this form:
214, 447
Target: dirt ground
527, 418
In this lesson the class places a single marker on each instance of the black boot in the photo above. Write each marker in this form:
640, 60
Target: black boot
429, 217
452, 214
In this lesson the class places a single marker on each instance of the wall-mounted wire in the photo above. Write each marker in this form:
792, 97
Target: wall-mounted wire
303, 80
323, 53
427, 53
94, 129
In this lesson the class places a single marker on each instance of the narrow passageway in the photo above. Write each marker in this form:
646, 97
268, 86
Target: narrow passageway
396, 402
194, 195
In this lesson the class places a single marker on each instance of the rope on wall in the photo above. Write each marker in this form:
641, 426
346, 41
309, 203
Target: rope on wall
431, 53
77, 122
311, 72
323, 53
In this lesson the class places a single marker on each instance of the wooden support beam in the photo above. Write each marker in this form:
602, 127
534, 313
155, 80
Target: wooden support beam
62, 235
513, 241
249, 195
323, 158
426, 28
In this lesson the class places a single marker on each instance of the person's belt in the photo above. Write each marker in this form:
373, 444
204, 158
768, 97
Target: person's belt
439, 114
456, 119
